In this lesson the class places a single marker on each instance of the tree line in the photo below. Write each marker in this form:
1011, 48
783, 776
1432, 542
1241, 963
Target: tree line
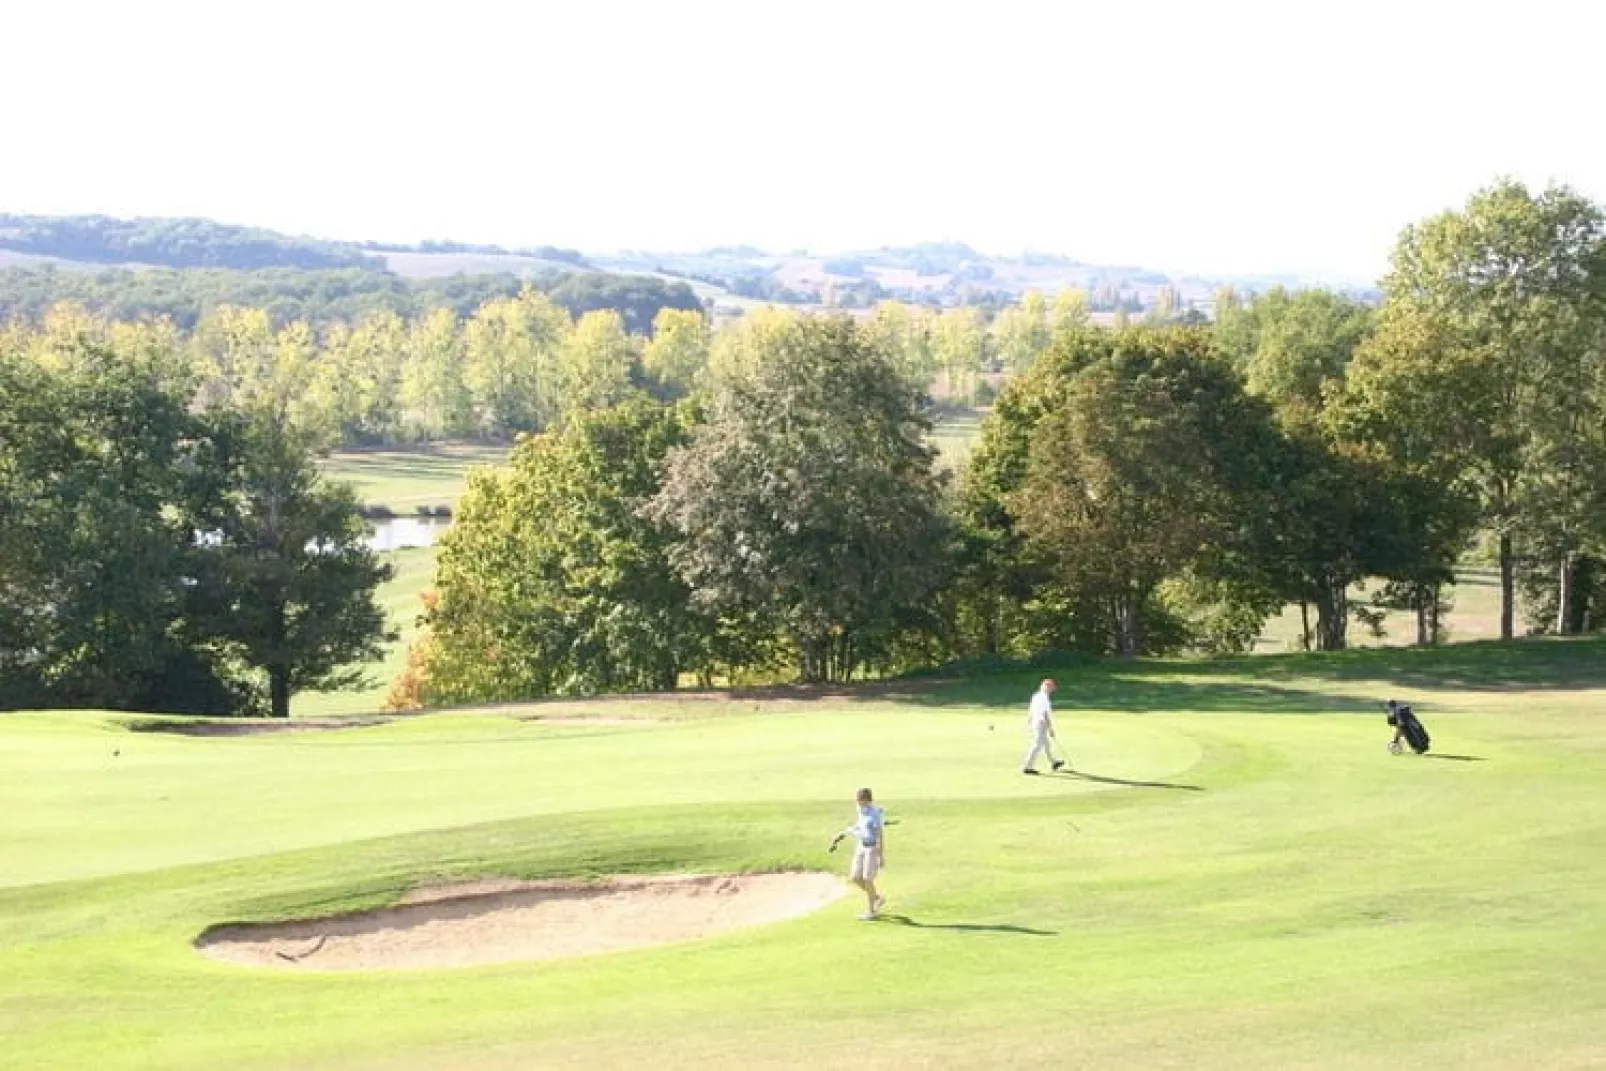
688, 504
319, 298
1151, 489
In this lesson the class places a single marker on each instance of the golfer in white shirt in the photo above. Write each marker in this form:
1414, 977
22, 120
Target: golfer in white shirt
1040, 723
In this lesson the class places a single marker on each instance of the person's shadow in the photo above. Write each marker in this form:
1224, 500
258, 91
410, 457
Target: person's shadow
1068, 772
1456, 758
966, 927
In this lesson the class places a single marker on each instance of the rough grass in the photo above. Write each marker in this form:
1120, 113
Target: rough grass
1239, 876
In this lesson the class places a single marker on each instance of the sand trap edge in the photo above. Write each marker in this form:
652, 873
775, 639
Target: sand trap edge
490, 921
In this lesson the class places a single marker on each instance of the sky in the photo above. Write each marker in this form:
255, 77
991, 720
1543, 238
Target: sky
1216, 136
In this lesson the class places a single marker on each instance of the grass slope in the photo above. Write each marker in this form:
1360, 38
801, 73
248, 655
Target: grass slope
1242, 878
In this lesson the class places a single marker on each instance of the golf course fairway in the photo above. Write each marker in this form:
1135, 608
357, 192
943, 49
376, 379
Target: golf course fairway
1237, 874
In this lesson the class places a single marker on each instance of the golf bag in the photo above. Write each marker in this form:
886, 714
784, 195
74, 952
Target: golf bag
1410, 726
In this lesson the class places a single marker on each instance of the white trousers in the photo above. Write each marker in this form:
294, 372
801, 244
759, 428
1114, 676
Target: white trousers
1040, 746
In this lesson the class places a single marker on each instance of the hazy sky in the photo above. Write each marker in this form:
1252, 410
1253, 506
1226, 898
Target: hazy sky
1209, 135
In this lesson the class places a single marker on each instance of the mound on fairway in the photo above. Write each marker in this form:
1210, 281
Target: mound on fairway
500, 921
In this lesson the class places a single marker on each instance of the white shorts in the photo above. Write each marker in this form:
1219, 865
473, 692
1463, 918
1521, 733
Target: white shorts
866, 862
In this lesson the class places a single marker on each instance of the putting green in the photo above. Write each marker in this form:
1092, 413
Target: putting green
1237, 875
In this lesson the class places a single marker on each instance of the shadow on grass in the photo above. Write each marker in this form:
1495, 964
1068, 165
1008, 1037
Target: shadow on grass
1145, 689
1067, 772
1533, 664
1457, 758
966, 927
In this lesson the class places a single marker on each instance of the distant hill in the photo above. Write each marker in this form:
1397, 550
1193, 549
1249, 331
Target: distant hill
46, 256
172, 243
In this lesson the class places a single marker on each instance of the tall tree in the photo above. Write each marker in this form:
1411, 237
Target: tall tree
551, 583
435, 397
510, 363
595, 363
105, 477
289, 581
1498, 292
808, 502
1022, 332
677, 353
959, 345
1137, 467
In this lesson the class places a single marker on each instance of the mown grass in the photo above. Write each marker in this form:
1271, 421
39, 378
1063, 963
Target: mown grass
403, 479
1240, 877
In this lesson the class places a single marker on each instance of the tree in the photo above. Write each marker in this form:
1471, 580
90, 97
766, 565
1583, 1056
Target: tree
1134, 465
1291, 348
1022, 332
959, 346
677, 353
289, 581
510, 363
1501, 295
808, 503
904, 334
435, 398
105, 477
595, 363
551, 583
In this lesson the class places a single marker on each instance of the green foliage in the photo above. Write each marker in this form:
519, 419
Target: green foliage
104, 477
808, 504
288, 584
320, 297
153, 553
1490, 349
551, 583
1291, 348
637, 298
1136, 467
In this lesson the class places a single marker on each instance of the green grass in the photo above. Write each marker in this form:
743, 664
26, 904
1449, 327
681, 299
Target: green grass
1244, 879
403, 479
955, 437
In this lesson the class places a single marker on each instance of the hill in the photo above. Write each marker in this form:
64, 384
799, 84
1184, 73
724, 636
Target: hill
726, 280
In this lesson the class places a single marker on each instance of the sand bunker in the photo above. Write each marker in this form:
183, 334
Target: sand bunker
500, 921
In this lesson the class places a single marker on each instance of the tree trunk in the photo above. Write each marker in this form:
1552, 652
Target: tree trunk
1564, 597
1332, 617
1507, 585
1129, 627
279, 689
1424, 631
1304, 625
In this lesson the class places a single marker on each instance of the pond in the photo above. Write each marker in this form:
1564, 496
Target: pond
397, 533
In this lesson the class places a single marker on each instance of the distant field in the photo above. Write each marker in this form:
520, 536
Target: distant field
438, 265
954, 438
1474, 616
400, 599
406, 478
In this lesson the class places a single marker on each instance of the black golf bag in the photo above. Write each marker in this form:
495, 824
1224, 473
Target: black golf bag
1410, 726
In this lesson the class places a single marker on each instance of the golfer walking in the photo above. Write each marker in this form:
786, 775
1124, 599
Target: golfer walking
1040, 723
869, 843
